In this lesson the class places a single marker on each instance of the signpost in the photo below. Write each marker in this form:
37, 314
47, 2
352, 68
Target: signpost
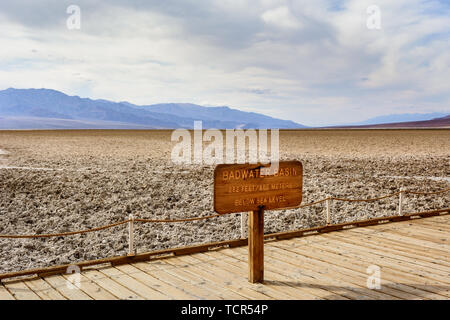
255, 188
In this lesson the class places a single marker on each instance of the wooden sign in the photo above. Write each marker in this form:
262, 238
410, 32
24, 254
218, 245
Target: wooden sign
256, 188
249, 187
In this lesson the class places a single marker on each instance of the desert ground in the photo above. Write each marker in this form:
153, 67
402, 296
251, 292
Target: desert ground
59, 181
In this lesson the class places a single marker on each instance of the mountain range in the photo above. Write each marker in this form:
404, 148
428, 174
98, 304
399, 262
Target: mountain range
441, 122
397, 118
51, 109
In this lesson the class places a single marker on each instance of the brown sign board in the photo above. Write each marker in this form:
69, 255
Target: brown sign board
249, 187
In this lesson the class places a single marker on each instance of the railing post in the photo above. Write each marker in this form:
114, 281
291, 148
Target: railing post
328, 202
131, 236
243, 224
400, 202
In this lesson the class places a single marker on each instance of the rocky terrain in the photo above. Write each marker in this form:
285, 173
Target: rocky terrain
58, 181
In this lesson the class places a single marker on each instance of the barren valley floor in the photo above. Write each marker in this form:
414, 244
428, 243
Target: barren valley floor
58, 181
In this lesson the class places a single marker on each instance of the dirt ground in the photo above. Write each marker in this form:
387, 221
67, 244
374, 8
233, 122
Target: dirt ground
59, 181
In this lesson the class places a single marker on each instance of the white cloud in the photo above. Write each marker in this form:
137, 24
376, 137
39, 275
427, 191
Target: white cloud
297, 60
281, 17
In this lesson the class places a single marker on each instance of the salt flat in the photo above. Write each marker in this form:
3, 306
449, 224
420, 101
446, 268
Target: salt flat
101, 176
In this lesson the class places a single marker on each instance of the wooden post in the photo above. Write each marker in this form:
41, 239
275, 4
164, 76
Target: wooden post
400, 202
131, 236
328, 210
256, 246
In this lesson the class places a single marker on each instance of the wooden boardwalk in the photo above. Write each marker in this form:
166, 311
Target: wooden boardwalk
413, 257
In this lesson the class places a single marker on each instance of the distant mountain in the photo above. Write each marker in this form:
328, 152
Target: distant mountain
224, 114
51, 109
442, 122
58, 123
403, 117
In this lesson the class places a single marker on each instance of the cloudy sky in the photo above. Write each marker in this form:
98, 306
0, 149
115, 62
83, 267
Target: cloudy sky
314, 62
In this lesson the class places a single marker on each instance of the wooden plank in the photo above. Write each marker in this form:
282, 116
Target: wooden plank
21, 291
301, 282
247, 187
417, 242
111, 286
232, 286
4, 293
132, 284
422, 230
279, 287
435, 225
195, 283
150, 281
333, 255
44, 290
275, 289
208, 287
376, 253
388, 251
403, 242
59, 283
432, 225
437, 238
332, 286
400, 248
334, 282
335, 277
211, 290
357, 269
359, 279
237, 261
393, 246
408, 247
255, 291
316, 279
245, 288
256, 246
387, 262
327, 271
92, 289
220, 284
393, 229
432, 221
170, 279
359, 265
429, 228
